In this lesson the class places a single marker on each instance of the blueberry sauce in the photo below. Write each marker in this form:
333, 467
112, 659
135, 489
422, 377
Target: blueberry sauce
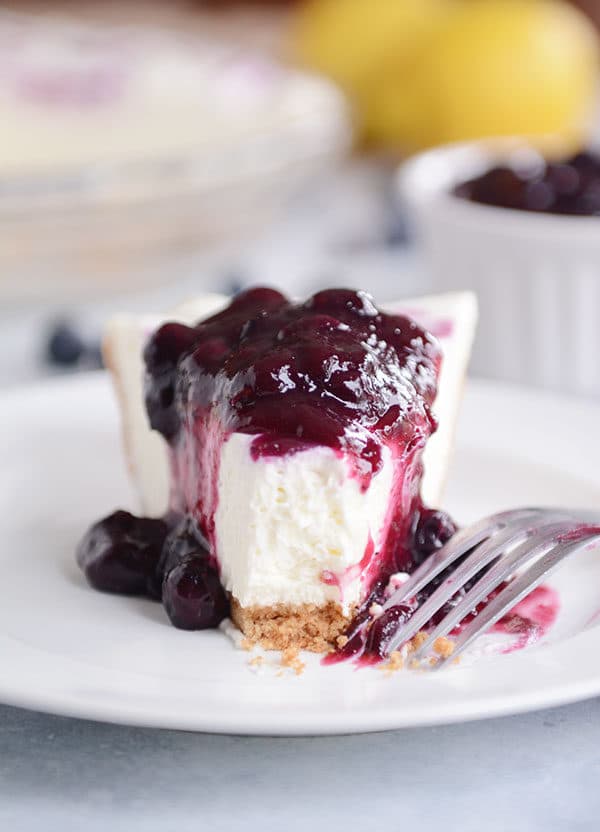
183, 541
332, 371
193, 596
530, 619
581, 532
131, 555
428, 532
571, 186
121, 552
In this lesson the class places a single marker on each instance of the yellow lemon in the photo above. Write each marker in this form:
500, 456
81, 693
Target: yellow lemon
356, 42
493, 67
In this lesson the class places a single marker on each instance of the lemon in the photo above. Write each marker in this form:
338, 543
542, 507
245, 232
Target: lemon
356, 42
500, 67
424, 72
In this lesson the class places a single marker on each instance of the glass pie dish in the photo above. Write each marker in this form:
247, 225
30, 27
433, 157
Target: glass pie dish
126, 148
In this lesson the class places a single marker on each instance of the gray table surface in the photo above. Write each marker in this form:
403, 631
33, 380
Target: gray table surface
516, 774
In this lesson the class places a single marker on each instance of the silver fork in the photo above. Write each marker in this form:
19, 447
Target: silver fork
524, 545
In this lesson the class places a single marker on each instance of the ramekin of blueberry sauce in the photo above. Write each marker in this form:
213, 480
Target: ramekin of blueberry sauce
568, 186
521, 229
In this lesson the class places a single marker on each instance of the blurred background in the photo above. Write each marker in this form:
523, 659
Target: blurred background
150, 151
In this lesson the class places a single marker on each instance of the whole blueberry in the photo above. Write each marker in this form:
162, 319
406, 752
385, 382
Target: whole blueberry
120, 554
161, 355
183, 541
65, 346
384, 627
193, 596
433, 530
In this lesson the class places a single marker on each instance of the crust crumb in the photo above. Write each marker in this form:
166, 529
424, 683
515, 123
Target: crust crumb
256, 661
443, 646
341, 641
394, 663
289, 655
246, 644
418, 640
290, 658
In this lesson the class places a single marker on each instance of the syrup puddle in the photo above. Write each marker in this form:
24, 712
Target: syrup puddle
527, 623
530, 620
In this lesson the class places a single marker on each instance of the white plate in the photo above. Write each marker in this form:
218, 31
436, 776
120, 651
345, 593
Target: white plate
67, 649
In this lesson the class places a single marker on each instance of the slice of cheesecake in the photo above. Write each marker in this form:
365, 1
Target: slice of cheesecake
294, 436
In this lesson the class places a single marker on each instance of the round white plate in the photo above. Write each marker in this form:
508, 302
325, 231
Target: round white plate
70, 650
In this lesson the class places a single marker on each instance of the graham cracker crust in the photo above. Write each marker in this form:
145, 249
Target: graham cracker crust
285, 626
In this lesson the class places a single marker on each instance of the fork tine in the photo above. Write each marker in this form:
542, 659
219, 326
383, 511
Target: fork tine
516, 591
457, 546
527, 551
506, 539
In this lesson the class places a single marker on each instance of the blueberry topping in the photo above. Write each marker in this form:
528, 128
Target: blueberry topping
121, 552
161, 357
384, 627
193, 596
183, 541
332, 371
433, 529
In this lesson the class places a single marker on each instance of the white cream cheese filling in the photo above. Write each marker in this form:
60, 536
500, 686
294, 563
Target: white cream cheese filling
283, 523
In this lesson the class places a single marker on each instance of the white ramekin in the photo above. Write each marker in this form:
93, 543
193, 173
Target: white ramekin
537, 276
